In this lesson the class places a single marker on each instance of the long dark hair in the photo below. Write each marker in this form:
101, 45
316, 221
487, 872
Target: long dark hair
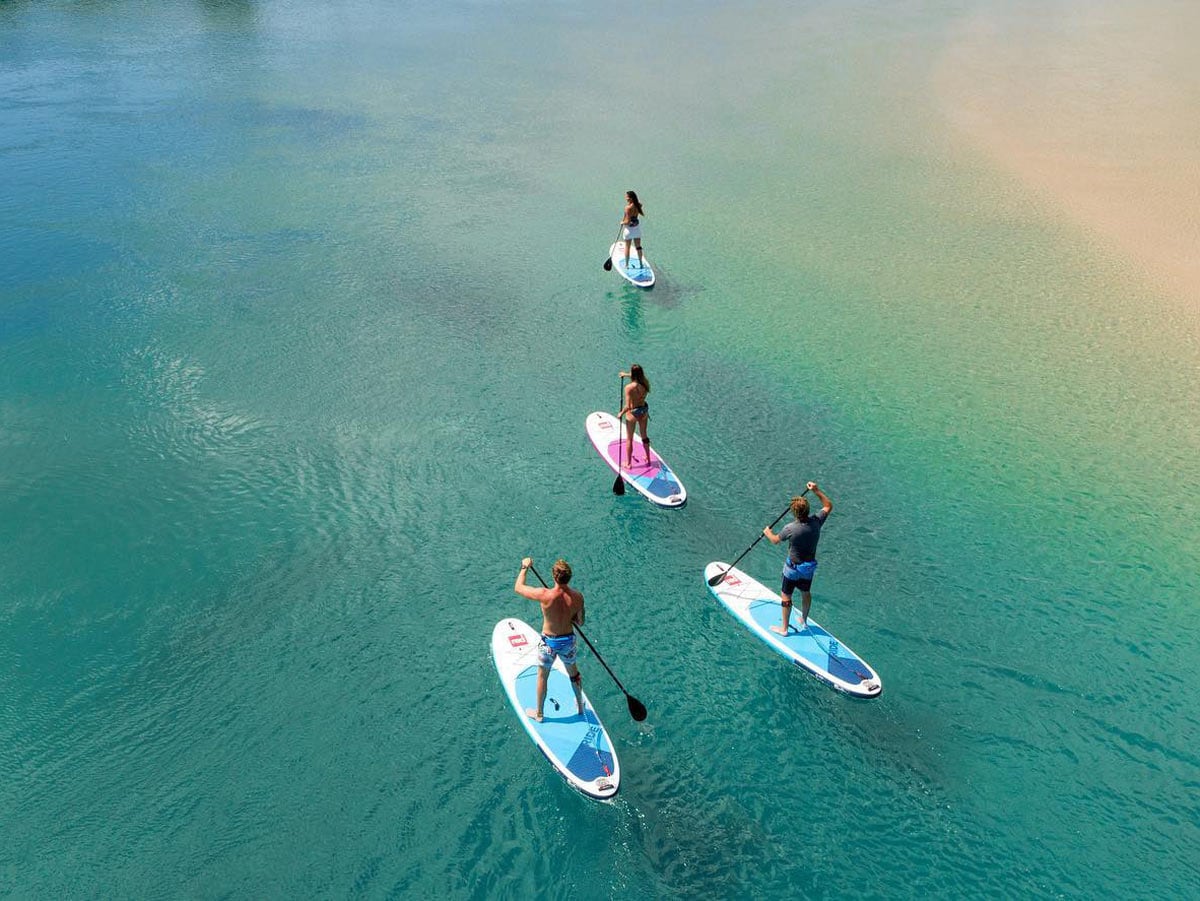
631, 196
636, 374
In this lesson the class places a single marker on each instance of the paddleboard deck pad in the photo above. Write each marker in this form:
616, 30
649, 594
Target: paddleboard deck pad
639, 274
576, 746
655, 480
814, 648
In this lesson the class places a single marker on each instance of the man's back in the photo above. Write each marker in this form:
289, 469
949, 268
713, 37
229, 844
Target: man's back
560, 605
802, 537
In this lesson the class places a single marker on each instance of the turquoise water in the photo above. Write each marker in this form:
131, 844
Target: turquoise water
302, 312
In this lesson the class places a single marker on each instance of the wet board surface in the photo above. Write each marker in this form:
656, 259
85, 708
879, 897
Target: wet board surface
814, 649
654, 480
577, 746
642, 276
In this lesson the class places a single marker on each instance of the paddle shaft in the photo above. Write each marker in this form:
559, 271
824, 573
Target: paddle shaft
761, 535
619, 482
640, 707
608, 259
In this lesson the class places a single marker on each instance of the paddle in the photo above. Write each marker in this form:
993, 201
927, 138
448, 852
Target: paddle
637, 709
619, 481
720, 577
608, 259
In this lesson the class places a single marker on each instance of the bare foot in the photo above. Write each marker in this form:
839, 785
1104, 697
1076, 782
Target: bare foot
533, 714
780, 630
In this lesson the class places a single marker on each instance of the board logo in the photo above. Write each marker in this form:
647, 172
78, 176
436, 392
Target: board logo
518, 641
604, 424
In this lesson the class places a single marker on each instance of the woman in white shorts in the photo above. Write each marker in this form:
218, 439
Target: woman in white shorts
632, 223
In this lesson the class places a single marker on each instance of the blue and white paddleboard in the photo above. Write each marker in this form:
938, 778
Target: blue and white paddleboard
814, 649
641, 275
577, 746
651, 477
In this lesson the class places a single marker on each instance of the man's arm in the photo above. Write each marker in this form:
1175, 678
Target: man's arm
826, 503
771, 536
519, 586
578, 618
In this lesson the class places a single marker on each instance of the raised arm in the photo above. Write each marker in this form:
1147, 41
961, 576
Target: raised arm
826, 503
519, 586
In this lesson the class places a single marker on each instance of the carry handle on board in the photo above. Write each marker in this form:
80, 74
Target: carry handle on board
637, 709
720, 577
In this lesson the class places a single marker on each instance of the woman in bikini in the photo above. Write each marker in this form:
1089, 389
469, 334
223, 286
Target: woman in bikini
636, 410
632, 226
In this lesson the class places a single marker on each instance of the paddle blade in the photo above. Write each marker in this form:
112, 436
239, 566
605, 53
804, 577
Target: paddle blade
608, 264
637, 709
618, 486
719, 577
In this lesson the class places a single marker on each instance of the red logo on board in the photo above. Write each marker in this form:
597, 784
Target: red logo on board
517, 641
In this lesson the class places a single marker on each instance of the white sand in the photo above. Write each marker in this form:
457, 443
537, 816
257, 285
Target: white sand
1096, 109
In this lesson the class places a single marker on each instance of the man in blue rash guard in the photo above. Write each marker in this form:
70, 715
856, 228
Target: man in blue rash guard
802, 535
562, 608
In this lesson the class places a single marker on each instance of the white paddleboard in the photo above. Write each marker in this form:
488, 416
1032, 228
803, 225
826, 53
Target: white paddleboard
814, 649
640, 275
576, 746
654, 478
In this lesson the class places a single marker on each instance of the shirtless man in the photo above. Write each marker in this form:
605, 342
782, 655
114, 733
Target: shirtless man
562, 608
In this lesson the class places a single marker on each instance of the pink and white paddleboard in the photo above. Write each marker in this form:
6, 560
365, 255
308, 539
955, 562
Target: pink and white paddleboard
654, 478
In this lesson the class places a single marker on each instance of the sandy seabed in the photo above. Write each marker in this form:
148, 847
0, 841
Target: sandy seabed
1096, 109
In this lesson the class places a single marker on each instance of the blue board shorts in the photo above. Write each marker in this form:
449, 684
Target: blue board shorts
798, 575
552, 646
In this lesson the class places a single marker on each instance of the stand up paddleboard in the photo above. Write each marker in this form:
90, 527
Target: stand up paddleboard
577, 746
655, 479
814, 648
642, 276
